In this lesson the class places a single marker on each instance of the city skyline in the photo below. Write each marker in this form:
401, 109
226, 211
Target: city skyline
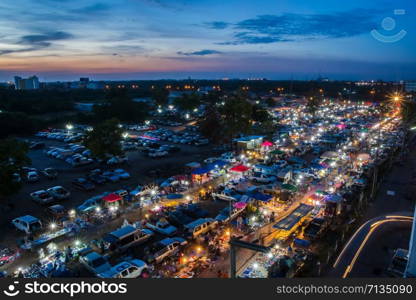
149, 39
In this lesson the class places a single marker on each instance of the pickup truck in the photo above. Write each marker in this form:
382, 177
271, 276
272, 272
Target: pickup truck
165, 248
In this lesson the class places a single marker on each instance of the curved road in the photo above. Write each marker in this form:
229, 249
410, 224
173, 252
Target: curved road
346, 260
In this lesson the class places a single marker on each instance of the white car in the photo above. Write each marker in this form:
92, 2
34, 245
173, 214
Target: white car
262, 178
158, 154
42, 197
127, 269
211, 160
117, 160
58, 192
32, 176
95, 263
163, 227
27, 224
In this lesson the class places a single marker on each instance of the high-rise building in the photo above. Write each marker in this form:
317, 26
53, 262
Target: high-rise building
31, 83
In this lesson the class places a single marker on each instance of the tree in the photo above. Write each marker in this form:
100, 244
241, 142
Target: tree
236, 113
313, 104
119, 105
270, 102
211, 125
259, 114
160, 95
187, 102
105, 139
408, 112
13, 156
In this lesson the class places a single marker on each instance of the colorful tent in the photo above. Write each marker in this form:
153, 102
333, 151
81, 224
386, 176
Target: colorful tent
267, 144
200, 171
277, 152
240, 168
289, 187
240, 205
112, 198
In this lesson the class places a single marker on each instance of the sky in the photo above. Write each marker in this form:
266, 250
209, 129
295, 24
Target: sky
213, 39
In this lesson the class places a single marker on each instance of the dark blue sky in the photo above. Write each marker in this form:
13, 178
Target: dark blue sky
150, 39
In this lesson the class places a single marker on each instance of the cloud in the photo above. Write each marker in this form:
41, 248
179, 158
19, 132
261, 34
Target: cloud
296, 27
217, 25
45, 39
35, 42
200, 52
96, 8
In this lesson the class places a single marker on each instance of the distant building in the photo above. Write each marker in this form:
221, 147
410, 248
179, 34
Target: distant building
410, 86
31, 83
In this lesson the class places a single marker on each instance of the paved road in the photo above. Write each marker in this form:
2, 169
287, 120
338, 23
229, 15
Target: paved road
348, 257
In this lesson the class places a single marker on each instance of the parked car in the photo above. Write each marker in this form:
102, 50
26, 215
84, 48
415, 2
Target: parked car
262, 178
42, 197
125, 237
50, 173
163, 227
32, 176
200, 227
56, 211
83, 184
127, 269
59, 192
178, 218
111, 176
165, 248
97, 178
28, 224
117, 160
95, 263
121, 173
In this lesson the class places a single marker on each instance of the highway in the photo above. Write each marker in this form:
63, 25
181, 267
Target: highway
349, 255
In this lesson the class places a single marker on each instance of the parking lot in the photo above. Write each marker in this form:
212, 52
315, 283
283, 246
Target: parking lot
139, 166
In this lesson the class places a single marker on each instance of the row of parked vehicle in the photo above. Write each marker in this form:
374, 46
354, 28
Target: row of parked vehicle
53, 194
61, 135
181, 137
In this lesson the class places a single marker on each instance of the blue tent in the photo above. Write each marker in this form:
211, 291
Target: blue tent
174, 196
200, 171
301, 243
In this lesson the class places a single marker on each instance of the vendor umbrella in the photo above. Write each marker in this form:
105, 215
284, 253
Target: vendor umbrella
267, 144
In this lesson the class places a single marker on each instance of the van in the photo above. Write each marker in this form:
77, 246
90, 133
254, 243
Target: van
200, 226
125, 237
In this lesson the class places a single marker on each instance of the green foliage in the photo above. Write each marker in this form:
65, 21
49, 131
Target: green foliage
236, 113
160, 95
105, 139
408, 112
188, 102
211, 125
313, 104
259, 114
17, 124
13, 156
119, 105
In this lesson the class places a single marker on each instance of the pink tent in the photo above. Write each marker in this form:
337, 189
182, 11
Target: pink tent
267, 144
240, 205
